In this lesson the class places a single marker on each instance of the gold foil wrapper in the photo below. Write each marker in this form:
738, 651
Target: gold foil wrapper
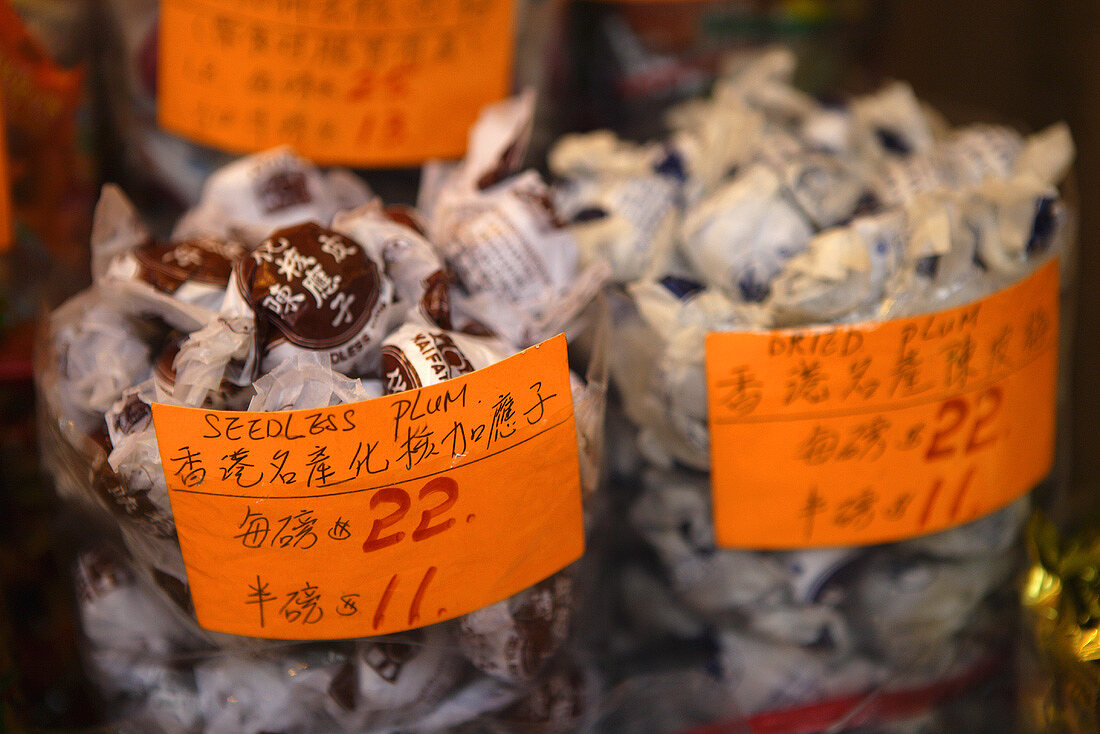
1061, 594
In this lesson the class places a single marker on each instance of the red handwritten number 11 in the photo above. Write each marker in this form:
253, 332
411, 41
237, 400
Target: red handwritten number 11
414, 607
444, 486
953, 414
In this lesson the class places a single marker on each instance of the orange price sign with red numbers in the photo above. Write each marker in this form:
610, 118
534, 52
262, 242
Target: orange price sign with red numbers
875, 432
379, 516
343, 81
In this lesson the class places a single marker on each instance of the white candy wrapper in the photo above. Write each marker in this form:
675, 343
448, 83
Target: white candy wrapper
415, 355
406, 677
629, 223
140, 490
890, 123
518, 264
967, 157
395, 237
248, 199
673, 515
843, 273
827, 188
227, 396
764, 676
738, 239
659, 363
306, 381
909, 608
100, 352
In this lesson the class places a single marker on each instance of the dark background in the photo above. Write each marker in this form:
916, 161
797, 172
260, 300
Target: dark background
1029, 63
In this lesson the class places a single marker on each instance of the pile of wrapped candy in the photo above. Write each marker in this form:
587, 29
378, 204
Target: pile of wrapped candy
764, 208
289, 288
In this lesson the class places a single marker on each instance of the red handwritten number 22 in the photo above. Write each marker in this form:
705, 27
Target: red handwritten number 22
400, 498
955, 411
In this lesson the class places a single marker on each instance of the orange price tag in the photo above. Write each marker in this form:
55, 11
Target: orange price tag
343, 81
875, 432
378, 516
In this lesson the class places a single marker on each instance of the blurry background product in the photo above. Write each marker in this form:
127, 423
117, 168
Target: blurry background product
380, 87
633, 58
51, 163
50, 167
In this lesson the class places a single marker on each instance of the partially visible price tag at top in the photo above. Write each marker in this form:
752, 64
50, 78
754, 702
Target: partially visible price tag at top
869, 433
379, 516
342, 81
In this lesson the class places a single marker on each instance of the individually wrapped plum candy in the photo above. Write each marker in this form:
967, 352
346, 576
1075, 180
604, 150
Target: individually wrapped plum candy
827, 188
907, 607
513, 638
763, 675
1017, 222
140, 490
622, 214
763, 80
182, 282
738, 239
133, 636
394, 236
843, 273
966, 157
660, 368
395, 680
414, 356
307, 380
304, 289
890, 123
228, 396
249, 198
673, 515
502, 237
251, 695
100, 353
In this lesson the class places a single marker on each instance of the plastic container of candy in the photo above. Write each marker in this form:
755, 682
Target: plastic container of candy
765, 215
287, 289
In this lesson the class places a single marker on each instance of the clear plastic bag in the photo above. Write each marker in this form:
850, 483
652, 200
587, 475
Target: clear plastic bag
799, 215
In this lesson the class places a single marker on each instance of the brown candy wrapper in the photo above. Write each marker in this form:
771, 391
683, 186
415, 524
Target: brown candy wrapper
395, 236
304, 289
181, 282
512, 639
414, 356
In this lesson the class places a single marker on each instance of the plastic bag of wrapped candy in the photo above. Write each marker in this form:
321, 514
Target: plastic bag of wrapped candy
287, 289
766, 214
